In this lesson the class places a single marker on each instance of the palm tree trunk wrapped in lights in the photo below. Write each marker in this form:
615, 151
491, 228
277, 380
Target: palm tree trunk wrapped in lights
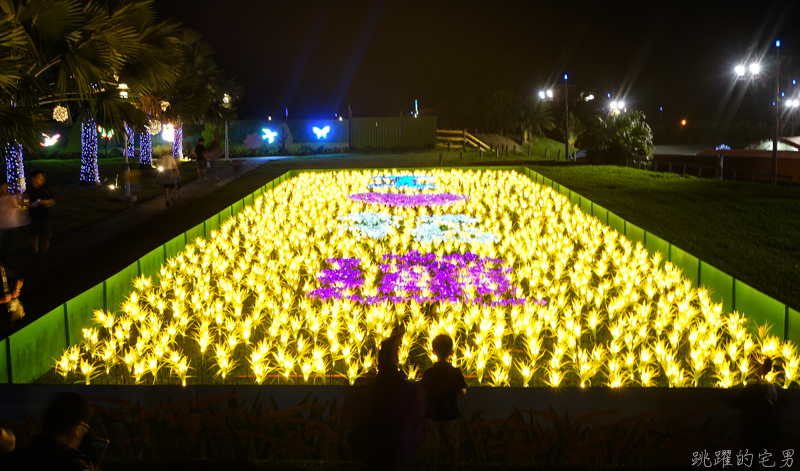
145, 148
177, 143
130, 151
89, 172
15, 173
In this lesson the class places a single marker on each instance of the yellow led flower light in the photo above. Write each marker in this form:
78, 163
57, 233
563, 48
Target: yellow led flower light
580, 305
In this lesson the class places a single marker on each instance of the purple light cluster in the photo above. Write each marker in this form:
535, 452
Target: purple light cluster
404, 200
468, 278
344, 276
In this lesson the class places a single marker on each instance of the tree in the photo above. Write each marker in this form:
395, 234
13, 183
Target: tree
77, 54
71, 54
199, 94
576, 130
502, 111
535, 117
619, 137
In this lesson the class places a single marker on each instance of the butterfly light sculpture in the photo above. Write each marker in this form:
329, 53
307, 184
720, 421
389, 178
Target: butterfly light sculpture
49, 141
269, 136
322, 133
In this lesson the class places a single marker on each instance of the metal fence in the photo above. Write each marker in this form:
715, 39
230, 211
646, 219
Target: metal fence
385, 134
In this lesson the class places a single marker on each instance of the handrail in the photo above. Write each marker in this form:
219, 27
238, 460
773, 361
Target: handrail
464, 138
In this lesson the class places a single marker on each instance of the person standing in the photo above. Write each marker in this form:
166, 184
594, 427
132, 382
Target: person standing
213, 157
11, 309
441, 384
38, 199
10, 218
169, 176
393, 411
65, 424
200, 155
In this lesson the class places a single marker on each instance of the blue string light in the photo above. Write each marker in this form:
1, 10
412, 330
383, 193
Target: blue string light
130, 151
15, 172
145, 148
177, 143
89, 171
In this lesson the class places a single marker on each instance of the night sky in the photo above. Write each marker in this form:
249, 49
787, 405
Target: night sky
316, 57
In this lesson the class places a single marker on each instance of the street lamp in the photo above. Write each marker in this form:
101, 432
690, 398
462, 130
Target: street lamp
617, 107
566, 119
226, 102
755, 71
548, 96
123, 93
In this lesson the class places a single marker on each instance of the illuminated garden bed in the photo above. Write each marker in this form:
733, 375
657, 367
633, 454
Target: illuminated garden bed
302, 286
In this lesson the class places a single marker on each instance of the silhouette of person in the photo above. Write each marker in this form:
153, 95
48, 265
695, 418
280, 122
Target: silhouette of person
760, 402
395, 407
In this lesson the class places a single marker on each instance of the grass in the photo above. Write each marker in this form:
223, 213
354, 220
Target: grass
747, 230
537, 144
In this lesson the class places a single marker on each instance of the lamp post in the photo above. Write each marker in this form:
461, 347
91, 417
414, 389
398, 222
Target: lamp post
776, 119
547, 95
226, 100
755, 73
123, 93
566, 119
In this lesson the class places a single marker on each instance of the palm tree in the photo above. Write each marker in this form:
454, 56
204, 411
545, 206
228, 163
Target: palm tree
201, 94
502, 110
576, 129
536, 117
73, 54
619, 137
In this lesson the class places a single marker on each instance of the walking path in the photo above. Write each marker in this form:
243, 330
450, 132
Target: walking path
68, 253
65, 250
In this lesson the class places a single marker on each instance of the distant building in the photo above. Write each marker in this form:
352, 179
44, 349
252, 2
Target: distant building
789, 144
748, 162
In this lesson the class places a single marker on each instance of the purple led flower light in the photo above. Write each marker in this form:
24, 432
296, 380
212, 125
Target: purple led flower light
345, 276
404, 200
467, 278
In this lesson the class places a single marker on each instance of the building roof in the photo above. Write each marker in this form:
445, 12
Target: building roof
793, 141
682, 149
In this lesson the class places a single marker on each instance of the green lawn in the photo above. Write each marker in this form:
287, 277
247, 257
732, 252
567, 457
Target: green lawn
747, 230
537, 144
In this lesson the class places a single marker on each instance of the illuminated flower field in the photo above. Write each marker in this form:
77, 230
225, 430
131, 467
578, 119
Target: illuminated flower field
302, 286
